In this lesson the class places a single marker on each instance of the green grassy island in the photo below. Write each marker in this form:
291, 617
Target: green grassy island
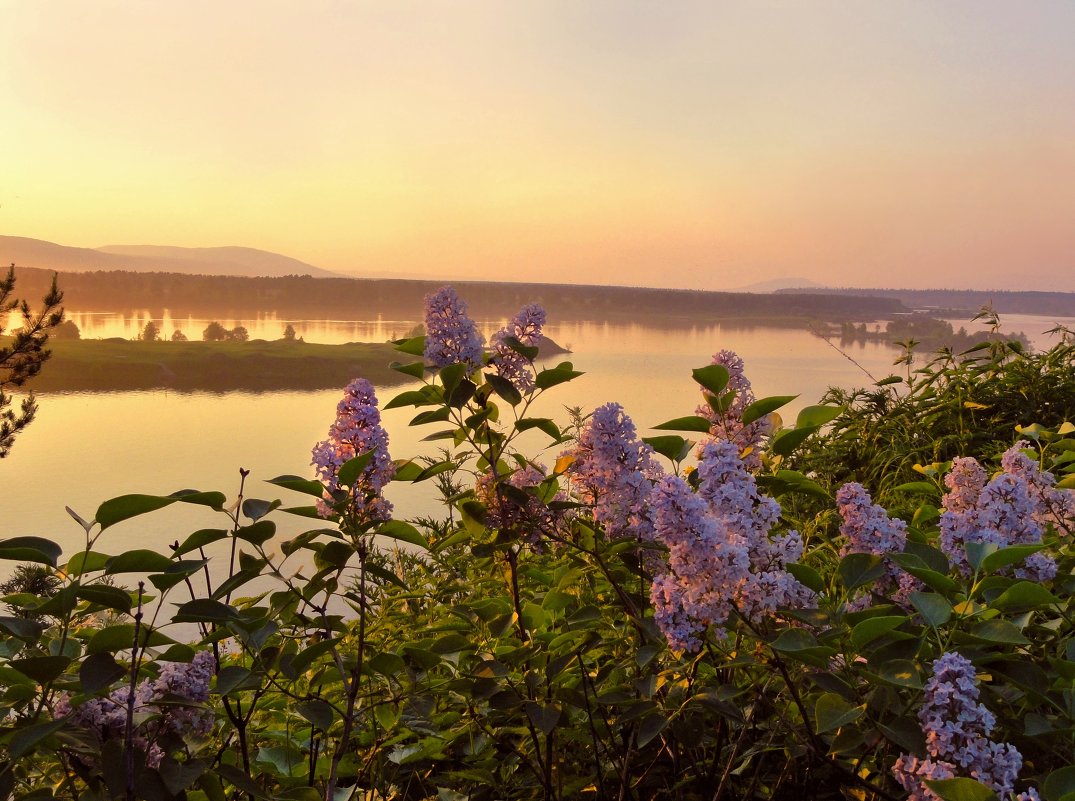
257, 365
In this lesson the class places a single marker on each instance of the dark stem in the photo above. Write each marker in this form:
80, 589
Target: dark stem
128, 743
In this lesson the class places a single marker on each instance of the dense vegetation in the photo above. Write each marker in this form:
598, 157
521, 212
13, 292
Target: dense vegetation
618, 624
366, 298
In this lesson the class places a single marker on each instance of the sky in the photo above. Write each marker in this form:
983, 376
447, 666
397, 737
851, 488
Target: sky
681, 144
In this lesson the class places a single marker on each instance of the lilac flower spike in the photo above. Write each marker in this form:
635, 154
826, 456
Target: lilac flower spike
1010, 509
526, 327
957, 729
356, 430
451, 336
614, 470
869, 529
728, 425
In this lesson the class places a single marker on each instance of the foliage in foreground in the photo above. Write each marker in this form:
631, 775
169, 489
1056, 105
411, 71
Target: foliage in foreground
615, 624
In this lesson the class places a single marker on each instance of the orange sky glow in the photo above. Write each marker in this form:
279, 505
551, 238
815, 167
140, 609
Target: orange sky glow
687, 144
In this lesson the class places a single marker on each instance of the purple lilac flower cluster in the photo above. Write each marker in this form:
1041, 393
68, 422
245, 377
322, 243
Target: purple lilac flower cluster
869, 529
529, 521
728, 425
526, 327
721, 556
172, 703
451, 336
957, 729
1055, 506
614, 471
356, 430
1012, 508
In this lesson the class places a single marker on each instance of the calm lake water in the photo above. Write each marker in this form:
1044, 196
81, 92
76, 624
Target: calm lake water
87, 447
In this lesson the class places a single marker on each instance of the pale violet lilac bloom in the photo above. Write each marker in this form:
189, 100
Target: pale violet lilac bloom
957, 729
526, 327
1054, 506
868, 529
721, 557
1006, 510
614, 471
451, 336
728, 425
172, 703
356, 430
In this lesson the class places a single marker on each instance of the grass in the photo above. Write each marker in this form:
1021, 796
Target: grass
119, 364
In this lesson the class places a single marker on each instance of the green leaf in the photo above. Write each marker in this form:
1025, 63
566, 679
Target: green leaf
817, 416
1059, 783
792, 640
387, 664
557, 375
544, 718
214, 500
901, 672
417, 397
405, 532
199, 539
978, 551
672, 447
414, 369
127, 506
352, 468
438, 415
41, 669
713, 377
30, 549
1011, 555
204, 610
121, 638
692, 423
318, 712
137, 561
99, 671
833, 712
859, 569
961, 789
806, 576
86, 562
504, 388
651, 725
462, 393
1024, 594
24, 739
542, 423
255, 508
870, 629
934, 608
21, 627
234, 677
918, 488
257, 534
785, 442
763, 406
999, 631
407, 470
106, 596
414, 346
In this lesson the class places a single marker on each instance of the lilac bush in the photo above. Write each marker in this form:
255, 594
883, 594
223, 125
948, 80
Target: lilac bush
525, 327
451, 336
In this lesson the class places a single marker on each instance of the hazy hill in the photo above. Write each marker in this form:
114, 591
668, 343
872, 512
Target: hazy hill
791, 283
25, 252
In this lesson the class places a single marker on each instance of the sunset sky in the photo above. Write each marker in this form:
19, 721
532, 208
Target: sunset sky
691, 144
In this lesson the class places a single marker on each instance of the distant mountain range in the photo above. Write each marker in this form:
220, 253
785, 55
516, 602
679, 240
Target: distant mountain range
24, 252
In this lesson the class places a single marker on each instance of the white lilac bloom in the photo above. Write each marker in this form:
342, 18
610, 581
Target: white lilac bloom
868, 529
728, 425
957, 729
1007, 510
356, 430
614, 471
526, 327
451, 336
